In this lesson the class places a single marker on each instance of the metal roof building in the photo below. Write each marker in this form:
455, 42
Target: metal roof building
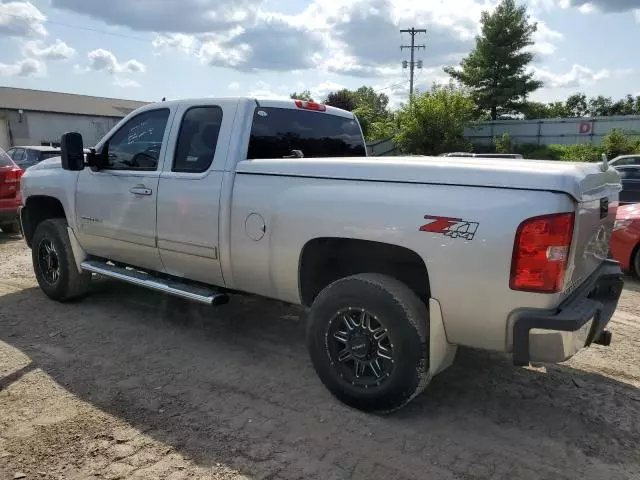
36, 117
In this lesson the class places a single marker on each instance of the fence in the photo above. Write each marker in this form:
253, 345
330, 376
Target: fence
564, 131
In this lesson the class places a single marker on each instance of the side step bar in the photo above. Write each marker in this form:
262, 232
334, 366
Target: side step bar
171, 287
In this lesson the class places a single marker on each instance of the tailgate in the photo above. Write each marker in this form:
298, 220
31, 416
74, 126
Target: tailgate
595, 217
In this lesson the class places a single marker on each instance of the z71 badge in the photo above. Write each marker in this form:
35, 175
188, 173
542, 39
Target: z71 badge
451, 227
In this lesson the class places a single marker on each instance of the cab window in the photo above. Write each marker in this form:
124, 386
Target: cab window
136, 145
197, 140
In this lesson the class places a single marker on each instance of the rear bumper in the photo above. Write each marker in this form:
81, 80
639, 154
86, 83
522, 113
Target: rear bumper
580, 320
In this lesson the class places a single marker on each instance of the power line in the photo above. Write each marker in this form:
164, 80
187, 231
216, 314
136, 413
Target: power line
391, 86
413, 47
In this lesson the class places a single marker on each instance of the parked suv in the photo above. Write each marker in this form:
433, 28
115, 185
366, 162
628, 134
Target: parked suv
10, 198
28, 156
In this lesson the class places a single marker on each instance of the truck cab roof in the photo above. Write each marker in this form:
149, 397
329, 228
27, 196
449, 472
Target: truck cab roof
260, 102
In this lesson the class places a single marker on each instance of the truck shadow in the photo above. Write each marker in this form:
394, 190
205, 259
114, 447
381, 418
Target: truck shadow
8, 238
233, 385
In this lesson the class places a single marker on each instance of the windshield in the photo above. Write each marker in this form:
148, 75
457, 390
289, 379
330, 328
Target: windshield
276, 132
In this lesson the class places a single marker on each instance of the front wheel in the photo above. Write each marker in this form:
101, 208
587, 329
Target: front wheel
368, 341
54, 264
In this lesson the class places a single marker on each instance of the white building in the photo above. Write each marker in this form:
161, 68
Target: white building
35, 117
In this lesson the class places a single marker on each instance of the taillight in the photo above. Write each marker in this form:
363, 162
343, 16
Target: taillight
10, 183
541, 253
318, 107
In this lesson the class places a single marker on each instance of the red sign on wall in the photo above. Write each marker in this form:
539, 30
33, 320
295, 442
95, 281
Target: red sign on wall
585, 127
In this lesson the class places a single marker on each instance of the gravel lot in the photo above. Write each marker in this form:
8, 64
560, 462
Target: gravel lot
133, 384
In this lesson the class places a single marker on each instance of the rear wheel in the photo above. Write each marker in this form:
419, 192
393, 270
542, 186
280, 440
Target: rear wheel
54, 264
368, 341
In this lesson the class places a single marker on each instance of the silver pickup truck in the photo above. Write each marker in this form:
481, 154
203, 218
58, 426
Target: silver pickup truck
399, 259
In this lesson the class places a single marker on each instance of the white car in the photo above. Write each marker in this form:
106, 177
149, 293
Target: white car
399, 260
625, 160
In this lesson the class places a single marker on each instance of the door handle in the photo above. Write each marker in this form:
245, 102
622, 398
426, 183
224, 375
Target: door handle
141, 190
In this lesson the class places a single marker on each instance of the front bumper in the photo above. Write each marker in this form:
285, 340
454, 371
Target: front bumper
555, 336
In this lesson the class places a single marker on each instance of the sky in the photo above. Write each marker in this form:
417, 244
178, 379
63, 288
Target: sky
150, 49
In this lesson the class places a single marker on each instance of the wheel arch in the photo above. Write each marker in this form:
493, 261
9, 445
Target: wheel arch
632, 263
37, 209
324, 260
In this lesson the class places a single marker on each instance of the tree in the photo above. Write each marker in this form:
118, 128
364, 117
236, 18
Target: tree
577, 106
434, 122
495, 70
535, 110
600, 106
370, 107
304, 95
625, 106
557, 110
343, 99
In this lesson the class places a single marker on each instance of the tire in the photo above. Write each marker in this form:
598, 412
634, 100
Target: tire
68, 284
635, 261
10, 228
388, 304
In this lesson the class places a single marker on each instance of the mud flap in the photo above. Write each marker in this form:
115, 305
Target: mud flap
441, 352
79, 254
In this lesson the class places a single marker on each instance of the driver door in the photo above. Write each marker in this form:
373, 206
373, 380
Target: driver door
116, 205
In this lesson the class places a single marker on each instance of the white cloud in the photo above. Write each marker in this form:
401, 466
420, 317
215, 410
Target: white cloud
186, 43
321, 90
587, 6
545, 39
359, 38
578, 76
27, 67
184, 16
56, 51
125, 82
104, 60
264, 90
21, 19
234, 86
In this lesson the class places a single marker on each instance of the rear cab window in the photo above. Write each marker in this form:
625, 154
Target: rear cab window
277, 132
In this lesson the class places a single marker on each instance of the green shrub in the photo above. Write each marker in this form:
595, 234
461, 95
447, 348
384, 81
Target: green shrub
616, 143
504, 144
581, 153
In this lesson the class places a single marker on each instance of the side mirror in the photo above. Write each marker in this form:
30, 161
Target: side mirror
98, 160
72, 151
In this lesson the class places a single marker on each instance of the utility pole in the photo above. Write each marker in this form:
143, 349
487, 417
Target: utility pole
413, 47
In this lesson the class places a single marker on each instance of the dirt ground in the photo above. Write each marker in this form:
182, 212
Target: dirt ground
132, 384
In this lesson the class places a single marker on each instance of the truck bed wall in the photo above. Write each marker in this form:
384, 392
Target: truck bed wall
469, 277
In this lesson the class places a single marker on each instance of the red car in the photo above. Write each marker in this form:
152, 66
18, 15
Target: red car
10, 198
625, 241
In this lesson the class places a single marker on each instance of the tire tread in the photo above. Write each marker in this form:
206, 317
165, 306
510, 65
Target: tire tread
416, 313
76, 283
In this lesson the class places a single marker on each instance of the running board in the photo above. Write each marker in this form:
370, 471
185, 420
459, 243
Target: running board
171, 287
